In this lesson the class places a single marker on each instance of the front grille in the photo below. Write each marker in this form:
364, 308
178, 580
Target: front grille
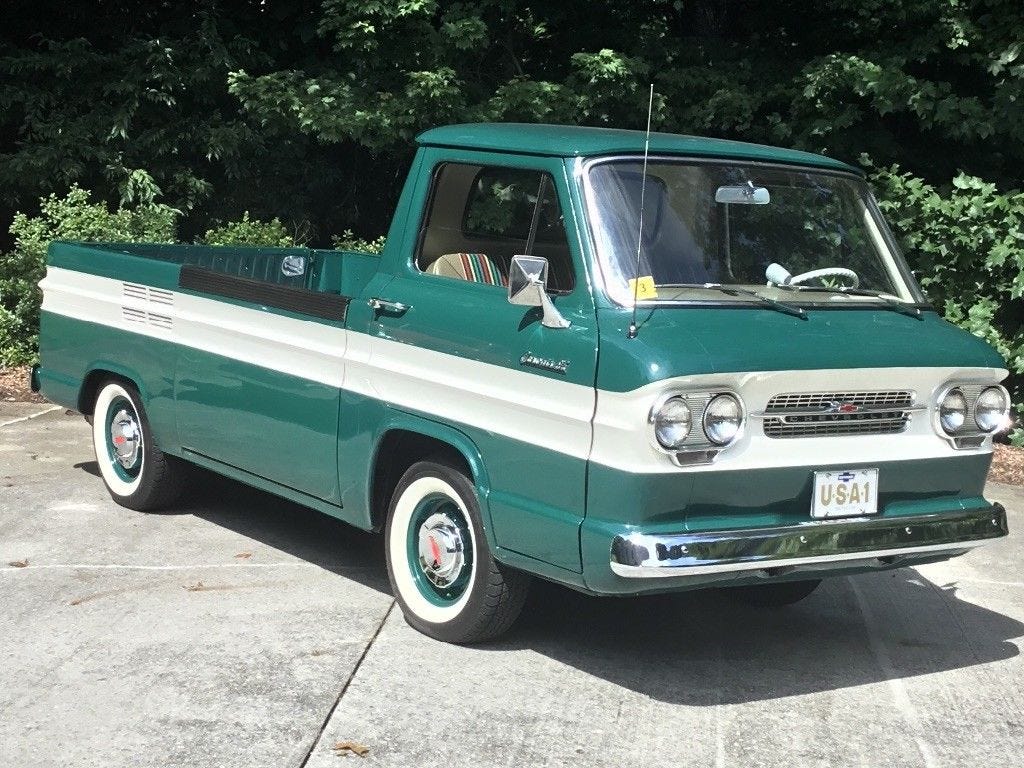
815, 414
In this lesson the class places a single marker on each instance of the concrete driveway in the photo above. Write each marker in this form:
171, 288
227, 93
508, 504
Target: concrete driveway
242, 630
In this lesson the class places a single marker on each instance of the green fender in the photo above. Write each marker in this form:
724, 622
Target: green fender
395, 419
159, 405
118, 369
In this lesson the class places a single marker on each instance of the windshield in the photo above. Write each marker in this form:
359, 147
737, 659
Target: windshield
789, 234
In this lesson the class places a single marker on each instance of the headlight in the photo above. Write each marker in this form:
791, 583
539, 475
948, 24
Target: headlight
722, 419
953, 411
672, 423
991, 409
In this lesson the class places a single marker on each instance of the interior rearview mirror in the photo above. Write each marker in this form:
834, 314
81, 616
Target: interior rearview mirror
527, 286
740, 195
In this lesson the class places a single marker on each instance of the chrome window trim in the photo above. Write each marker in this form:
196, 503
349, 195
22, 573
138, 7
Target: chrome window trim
582, 174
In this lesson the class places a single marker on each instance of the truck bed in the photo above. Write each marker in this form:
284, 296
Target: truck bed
243, 273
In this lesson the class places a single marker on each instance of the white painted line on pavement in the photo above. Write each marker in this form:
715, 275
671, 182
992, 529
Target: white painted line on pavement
899, 691
51, 409
196, 566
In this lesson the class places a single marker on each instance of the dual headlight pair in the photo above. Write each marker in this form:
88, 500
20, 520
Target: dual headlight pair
990, 410
721, 420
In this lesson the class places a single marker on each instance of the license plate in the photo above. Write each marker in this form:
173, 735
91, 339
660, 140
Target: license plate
845, 493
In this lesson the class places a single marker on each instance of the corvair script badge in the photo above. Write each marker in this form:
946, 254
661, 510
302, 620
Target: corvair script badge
555, 366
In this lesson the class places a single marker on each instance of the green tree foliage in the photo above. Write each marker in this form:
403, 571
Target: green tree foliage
348, 241
305, 110
72, 217
967, 245
248, 231
931, 83
90, 91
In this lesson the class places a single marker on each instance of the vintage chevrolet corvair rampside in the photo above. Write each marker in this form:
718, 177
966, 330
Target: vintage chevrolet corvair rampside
625, 373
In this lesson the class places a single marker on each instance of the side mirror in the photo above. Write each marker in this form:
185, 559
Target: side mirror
527, 286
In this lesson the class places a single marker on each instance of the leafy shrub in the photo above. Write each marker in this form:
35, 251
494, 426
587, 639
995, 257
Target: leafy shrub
72, 217
966, 245
347, 241
248, 231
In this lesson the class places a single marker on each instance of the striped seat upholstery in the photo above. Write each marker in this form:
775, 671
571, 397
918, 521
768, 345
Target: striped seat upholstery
475, 267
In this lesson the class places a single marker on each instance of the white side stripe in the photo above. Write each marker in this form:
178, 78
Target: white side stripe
523, 406
551, 414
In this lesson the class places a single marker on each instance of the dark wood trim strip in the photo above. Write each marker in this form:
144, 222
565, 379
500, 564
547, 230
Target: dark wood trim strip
328, 306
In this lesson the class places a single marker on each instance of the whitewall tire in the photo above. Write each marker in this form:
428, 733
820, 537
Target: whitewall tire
439, 563
137, 473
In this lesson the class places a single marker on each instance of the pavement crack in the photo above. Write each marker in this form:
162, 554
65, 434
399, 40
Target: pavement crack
330, 713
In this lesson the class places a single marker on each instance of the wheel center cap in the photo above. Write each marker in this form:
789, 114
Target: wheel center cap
441, 550
124, 436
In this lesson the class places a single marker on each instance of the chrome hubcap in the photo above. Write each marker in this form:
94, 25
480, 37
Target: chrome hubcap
125, 438
441, 551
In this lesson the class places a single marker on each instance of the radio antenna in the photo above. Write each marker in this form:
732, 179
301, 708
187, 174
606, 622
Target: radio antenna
640, 234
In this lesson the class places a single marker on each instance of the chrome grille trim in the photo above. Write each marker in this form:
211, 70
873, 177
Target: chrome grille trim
814, 414
806, 400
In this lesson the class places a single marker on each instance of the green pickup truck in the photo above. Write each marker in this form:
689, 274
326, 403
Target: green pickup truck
626, 372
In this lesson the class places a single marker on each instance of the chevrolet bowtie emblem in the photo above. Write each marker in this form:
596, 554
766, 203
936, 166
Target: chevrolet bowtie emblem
837, 407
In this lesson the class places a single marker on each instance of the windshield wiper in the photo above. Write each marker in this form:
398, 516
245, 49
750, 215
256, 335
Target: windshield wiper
778, 306
896, 306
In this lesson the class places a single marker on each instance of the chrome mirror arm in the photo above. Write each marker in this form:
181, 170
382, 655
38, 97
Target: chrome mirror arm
552, 317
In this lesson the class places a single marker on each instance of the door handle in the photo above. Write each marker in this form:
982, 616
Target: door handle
391, 307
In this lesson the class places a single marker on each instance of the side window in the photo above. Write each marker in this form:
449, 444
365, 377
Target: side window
479, 217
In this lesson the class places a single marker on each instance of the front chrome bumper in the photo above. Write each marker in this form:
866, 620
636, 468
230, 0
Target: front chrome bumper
882, 542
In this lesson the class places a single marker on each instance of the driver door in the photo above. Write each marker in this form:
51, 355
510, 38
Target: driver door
459, 352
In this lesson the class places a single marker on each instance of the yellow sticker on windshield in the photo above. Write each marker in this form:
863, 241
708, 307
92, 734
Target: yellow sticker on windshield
644, 288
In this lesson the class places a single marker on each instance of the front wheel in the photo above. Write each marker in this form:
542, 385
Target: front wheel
439, 564
774, 595
137, 473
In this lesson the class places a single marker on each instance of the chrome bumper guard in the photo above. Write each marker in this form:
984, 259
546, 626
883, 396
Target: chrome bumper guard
882, 542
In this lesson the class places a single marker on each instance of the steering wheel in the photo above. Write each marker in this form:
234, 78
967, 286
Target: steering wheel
803, 277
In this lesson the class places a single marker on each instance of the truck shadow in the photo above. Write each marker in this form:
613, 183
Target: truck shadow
291, 528
696, 648
702, 648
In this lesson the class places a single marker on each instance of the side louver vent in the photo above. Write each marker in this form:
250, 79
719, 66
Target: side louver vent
134, 291
138, 300
160, 296
132, 315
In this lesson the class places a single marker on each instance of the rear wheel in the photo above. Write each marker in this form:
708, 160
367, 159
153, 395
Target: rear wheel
439, 564
137, 473
774, 595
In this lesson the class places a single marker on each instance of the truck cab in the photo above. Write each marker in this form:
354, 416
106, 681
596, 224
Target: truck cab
625, 366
